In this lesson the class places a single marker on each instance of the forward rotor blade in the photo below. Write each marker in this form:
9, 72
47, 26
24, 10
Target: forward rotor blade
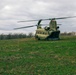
25, 27
32, 26
28, 26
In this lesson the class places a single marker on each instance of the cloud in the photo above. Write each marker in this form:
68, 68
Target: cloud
12, 11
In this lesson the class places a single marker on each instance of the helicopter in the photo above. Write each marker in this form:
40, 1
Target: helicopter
50, 32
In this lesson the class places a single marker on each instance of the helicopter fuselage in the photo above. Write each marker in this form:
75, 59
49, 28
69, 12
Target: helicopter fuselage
42, 33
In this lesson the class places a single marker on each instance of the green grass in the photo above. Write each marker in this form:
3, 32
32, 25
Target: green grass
32, 57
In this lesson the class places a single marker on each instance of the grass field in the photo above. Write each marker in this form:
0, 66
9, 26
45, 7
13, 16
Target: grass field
31, 57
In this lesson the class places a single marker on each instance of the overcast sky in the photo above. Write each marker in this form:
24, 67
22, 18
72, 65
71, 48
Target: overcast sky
12, 11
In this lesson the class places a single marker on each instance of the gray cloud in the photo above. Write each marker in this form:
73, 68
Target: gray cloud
12, 11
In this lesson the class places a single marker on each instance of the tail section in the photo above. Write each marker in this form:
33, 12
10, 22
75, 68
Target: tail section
53, 25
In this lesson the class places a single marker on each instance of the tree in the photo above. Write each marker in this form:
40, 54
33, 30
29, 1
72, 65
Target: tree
30, 35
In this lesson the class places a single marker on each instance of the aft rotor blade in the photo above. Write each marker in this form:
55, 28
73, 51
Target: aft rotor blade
49, 19
59, 18
27, 21
65, 17
33, 20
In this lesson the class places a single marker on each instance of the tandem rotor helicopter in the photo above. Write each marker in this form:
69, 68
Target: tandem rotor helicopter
50, 32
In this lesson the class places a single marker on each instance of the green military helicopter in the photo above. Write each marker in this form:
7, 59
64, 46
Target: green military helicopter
50, 32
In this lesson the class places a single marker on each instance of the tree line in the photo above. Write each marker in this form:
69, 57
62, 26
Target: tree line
15, 36
70, 33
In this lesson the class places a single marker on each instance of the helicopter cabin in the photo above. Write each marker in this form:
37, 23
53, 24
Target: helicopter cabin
47, 34
41, 34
